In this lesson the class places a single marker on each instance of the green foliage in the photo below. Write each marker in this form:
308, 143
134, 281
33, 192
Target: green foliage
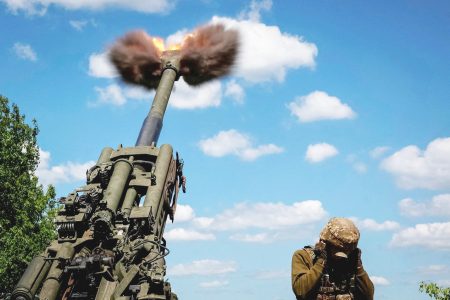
435, 291
26, 211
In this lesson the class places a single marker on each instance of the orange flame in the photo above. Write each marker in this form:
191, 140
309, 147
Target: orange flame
178, 46
161, 45
174, 47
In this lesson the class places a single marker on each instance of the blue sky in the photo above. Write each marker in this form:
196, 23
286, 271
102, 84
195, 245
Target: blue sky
336, 108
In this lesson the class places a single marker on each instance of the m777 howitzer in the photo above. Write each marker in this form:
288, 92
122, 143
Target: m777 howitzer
110, 247
110, 243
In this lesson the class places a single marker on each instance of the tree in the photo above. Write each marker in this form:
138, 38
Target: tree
435, 291
26, 210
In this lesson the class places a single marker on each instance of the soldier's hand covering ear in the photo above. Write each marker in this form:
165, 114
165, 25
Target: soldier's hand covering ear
355, 258
320, 250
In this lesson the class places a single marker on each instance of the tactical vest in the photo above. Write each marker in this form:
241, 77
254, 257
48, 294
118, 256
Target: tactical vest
334, 286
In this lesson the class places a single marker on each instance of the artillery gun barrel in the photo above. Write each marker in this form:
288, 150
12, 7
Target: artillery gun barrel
32, 278
152, 125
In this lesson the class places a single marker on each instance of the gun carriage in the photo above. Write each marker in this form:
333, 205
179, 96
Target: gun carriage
110, 231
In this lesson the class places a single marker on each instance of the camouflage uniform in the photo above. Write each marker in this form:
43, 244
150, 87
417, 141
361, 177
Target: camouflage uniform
317, 278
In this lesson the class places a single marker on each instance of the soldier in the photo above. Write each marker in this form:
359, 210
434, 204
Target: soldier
333, 268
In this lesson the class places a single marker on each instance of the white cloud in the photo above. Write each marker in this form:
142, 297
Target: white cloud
444, 283
264, 215
232, 142
377, 152
224, 143
235, 91
67, 172
39, 7
183, 95
434, 269
271, 236
431, 235
378, 280
134, 92
250, 154
253, 13
371, 224
213, 284
202, 222
414, 168
24, 51
252, 238
360, 167
319, 152
181, 234
357, 165
280, 222
206, 95
28, 6
184, 213
203, 267
438, 206
112, 94
318, 106
100, 66
266, 53
79, 25
115, 95
176, 38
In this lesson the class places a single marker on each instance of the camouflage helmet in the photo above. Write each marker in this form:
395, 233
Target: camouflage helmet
341, 233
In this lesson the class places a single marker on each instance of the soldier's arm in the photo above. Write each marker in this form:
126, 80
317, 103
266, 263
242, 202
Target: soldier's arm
364, 286
305, 275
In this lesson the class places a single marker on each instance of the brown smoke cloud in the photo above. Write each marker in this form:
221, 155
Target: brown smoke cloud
137, 59
208, 53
